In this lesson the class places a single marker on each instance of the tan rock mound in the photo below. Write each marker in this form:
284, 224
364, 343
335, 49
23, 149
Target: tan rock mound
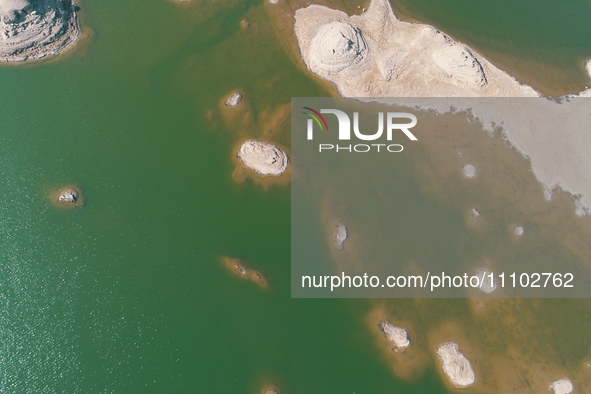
339, 236
34, 29
455, 365
396, 335
238, 268
337, 46
233, 100
263, 158
68, 197
377, 55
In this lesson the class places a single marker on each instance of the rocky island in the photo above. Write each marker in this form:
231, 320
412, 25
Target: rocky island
377, 55
34, 29
396, 335
339, 236
233, 100
455, 365
67, 197
238, 268
263, 158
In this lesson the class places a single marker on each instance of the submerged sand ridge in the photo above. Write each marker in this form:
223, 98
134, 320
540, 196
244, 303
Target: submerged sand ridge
34, 29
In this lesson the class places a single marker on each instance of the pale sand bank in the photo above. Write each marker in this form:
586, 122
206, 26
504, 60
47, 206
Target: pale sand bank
455, 365
376, 55
263, 158
34, 29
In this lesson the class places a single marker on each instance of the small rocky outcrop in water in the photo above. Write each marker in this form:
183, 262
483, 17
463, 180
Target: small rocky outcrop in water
340, 234
469, 171
33, 29
235, 98
272, 389
397, 336
474, 215
263, 158
238, 268
455, 365
67, 197
70, 195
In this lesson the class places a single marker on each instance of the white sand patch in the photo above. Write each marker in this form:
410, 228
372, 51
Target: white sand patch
563, 386
455, 365
36, 29
263, 158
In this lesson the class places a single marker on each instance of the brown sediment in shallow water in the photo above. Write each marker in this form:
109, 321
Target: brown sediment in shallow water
67, 197
414, 360
238, 268
525, 345
514, 346
510, 348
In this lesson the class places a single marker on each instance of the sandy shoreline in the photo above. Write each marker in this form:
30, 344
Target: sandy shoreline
376, 55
